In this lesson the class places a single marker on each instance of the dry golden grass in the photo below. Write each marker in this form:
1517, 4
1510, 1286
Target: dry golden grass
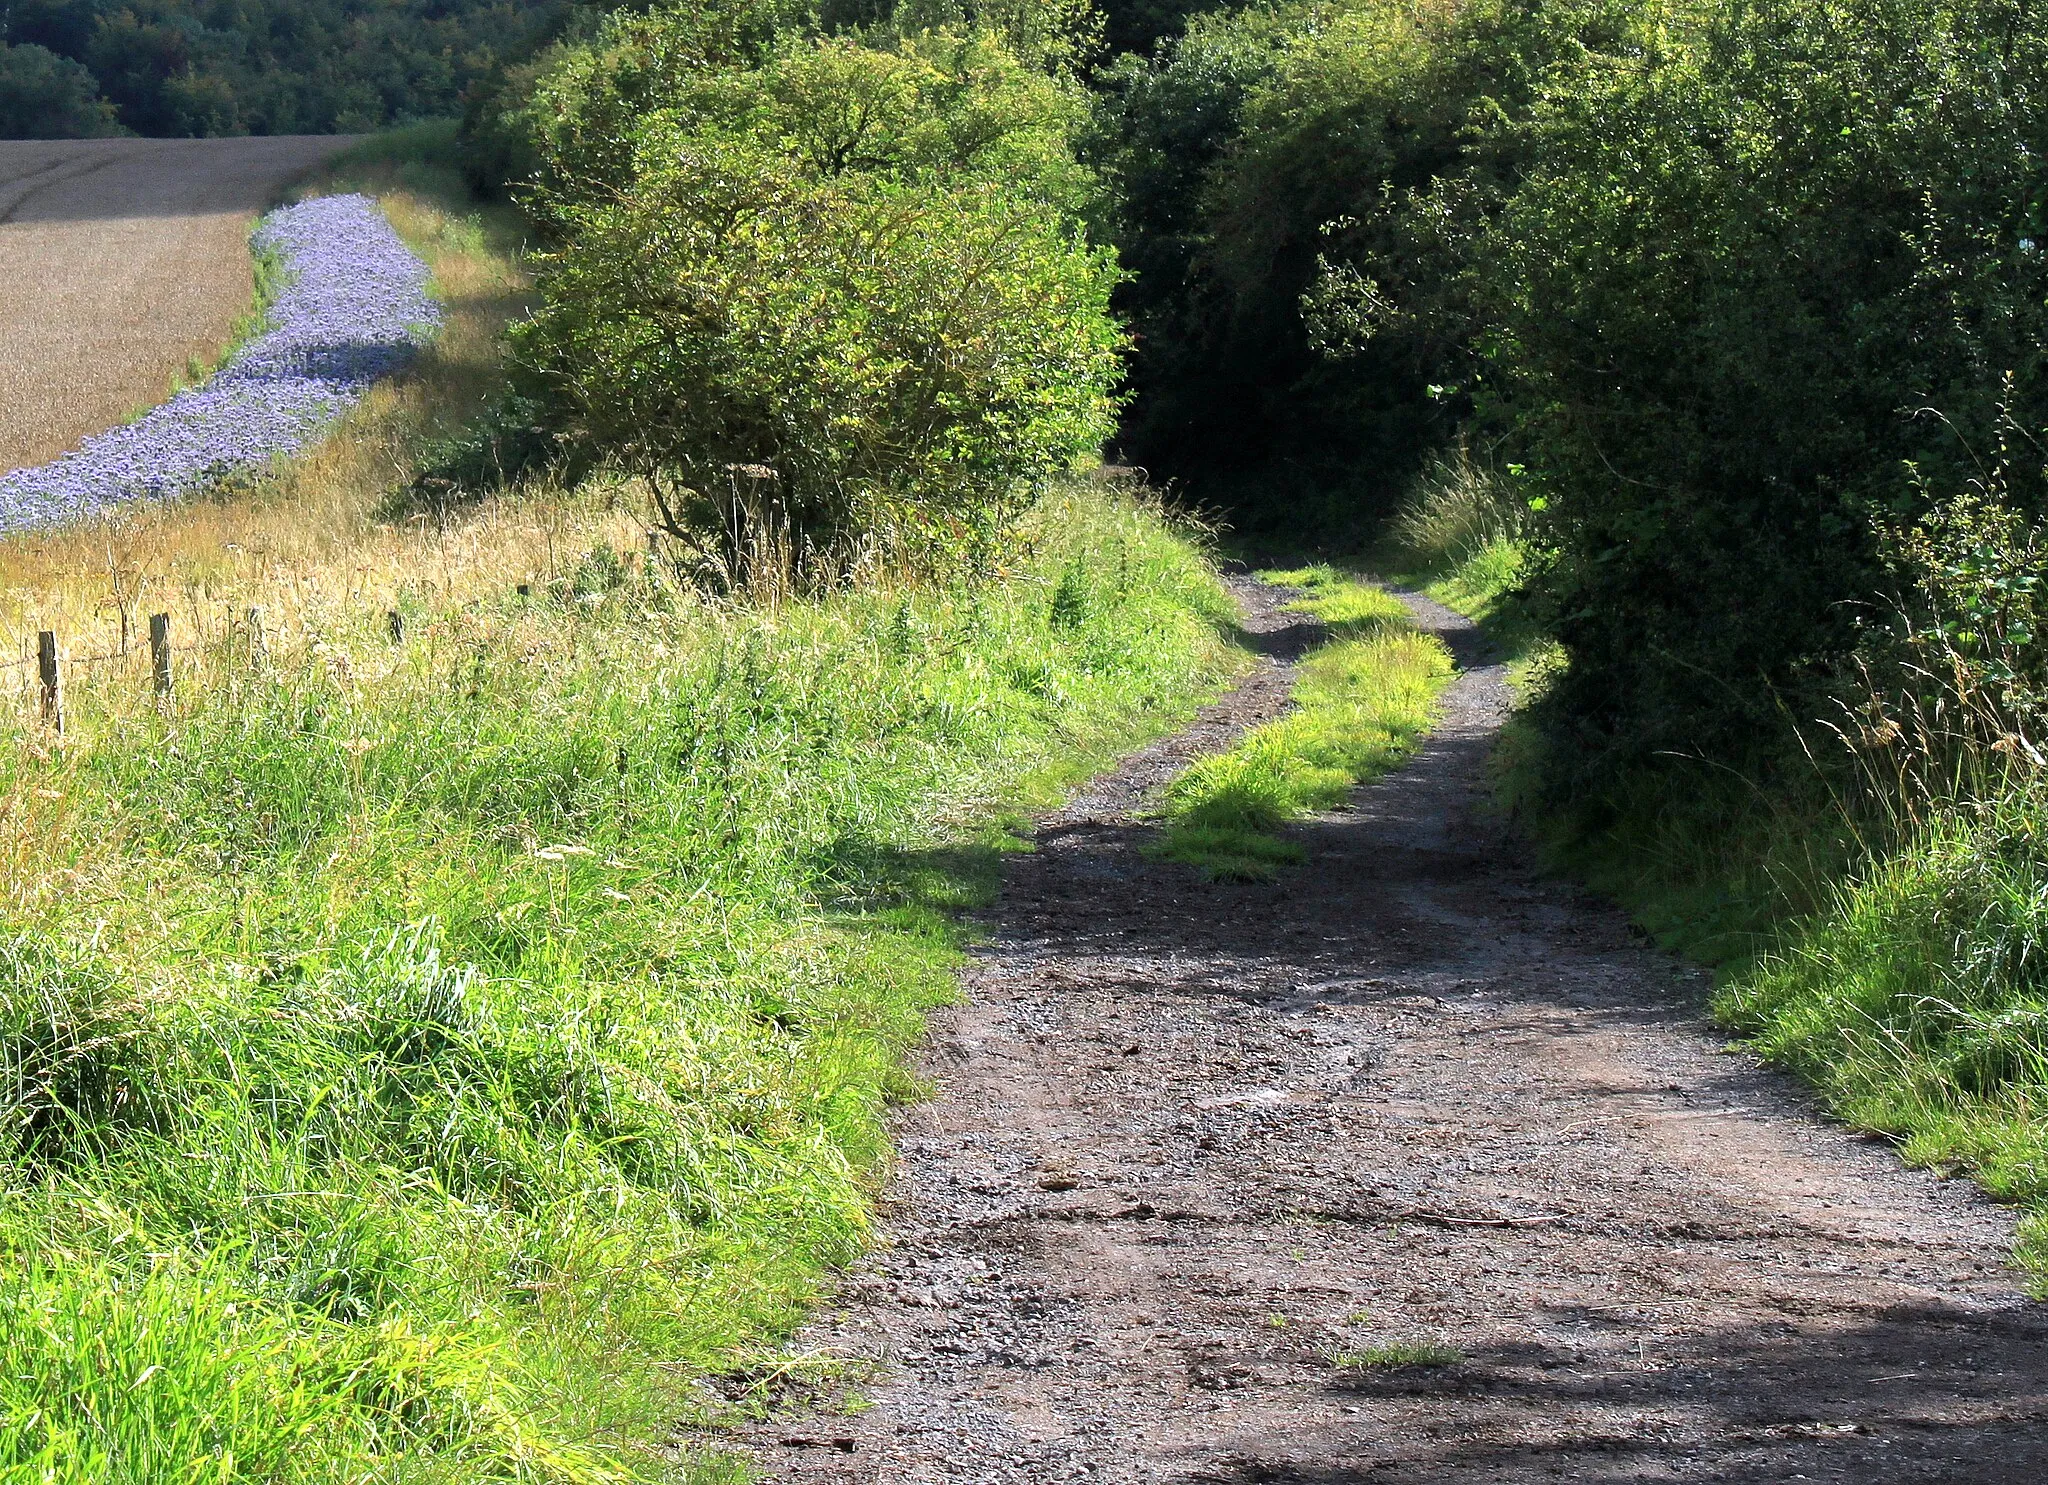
306, 545
121, 262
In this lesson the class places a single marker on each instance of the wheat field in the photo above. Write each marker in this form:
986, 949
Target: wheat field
121, 261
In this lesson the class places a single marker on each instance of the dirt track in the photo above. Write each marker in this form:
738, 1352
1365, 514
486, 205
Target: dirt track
119, 260
1193, 1140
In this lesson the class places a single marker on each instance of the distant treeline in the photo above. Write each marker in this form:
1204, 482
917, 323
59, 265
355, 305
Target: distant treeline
85, 68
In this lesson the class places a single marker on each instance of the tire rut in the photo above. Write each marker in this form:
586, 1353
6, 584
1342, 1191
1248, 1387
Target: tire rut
1197, 1143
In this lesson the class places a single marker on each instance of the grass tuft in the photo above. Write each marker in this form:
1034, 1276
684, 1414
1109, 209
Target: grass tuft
1397, 1356
1362, 703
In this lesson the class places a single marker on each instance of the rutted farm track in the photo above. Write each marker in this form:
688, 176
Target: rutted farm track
1194, 1140
119, 261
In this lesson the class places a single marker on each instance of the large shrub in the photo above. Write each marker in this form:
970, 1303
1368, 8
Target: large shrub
569, 122
1764, 284
802, 366
824, 296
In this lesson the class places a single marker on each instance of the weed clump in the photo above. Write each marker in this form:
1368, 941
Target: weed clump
1398, 1356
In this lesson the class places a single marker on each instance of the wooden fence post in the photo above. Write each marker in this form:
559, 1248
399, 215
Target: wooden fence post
256, 651
160, 652
396, 621
48, 666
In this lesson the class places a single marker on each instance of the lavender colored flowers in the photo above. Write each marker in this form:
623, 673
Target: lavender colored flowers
354, 307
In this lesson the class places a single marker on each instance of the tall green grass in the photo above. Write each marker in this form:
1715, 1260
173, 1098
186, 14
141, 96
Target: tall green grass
1459, 537
1916, 999
426, 1061
1361, 705
422, 1062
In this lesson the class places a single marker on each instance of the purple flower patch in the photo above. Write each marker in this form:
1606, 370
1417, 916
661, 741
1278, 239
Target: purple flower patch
354, 307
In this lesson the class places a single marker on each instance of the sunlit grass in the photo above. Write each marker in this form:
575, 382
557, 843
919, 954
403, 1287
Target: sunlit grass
425, 1058
1362, 703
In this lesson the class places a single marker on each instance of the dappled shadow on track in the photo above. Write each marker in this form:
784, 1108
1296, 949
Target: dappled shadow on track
1907, 1393
1202, 1140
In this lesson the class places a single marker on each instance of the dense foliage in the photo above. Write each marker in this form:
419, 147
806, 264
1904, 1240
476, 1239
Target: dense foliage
208, 67
1737, 288
45, 96
1762, 295
830, 299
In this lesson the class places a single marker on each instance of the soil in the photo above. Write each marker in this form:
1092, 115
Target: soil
1199, 1148
120, 259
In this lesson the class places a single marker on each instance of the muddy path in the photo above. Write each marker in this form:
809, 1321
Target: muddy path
1194, 1140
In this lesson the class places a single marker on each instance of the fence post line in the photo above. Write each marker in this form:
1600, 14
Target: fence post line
256, 652
160, 652
51, 671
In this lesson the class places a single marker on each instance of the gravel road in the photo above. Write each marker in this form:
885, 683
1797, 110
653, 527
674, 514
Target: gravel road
1194, 1140
120, 259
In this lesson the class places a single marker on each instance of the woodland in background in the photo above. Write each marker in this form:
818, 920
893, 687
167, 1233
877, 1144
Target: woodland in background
77, 69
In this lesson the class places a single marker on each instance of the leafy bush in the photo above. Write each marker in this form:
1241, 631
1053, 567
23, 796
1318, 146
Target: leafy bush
1759, 293
1161, 125
800, 361
825, 297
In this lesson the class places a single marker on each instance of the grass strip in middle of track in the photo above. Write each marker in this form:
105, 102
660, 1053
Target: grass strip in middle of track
1363, 702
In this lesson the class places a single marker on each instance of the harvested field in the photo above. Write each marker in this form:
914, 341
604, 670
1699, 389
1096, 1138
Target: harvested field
120, 260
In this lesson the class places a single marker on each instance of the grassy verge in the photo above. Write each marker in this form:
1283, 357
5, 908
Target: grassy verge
1893, 965
423, 1061
1363, 702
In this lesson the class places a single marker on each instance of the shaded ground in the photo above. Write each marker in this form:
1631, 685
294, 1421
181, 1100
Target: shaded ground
1195, 1140
120, 259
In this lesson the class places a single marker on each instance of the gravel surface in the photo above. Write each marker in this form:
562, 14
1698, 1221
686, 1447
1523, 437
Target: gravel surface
120, 259
1197, 1144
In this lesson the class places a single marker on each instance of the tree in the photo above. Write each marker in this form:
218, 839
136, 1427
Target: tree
804, 367
45, 96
